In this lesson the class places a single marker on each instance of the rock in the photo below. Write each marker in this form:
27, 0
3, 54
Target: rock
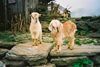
13, 63
83, 50
67, 60
47, 65
35, 63
97, 66
96, 59
2, 64
94, 35
81, 25
95, 26
3, 52
29, 53
7, 45
89, 65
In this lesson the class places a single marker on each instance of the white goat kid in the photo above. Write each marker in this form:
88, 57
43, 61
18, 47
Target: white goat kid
35, 28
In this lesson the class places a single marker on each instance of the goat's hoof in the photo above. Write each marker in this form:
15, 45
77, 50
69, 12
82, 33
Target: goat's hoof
55, 49
71, 48
40, 42
32, 44
68, 47
58, 51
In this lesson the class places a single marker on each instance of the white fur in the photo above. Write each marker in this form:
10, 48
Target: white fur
35, 27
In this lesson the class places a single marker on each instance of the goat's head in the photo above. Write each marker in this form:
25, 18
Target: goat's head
35, 16
55, 26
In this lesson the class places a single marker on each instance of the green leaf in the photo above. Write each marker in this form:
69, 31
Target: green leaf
85, 62
90, 61
76, 66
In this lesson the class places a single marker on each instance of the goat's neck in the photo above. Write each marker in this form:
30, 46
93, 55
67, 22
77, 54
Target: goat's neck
54, 33
32, 20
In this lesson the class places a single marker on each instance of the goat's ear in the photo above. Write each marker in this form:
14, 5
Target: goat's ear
61, 25
50, 27
30, 14
39, 14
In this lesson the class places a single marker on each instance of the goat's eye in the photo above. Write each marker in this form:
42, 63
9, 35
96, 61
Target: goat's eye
32, 17
53, 26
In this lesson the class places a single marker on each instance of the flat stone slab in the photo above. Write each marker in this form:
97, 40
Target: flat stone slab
27, 52
47, 65
3, 52
94, 35
84, 50
66, 60
13, 63
7, 45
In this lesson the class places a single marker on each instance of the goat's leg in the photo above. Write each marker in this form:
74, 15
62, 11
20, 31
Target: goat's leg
36, 42
56, 48
40, 37
59, 46
59, 49
68, 45
33, 42
71, 42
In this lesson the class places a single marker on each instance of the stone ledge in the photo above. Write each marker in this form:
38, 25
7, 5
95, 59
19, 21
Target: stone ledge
7, 45
29, 53
66, 61
84, 50
3, 52
47, 65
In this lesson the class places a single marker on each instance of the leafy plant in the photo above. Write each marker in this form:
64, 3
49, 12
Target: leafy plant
51, 41
79, 32
49, 20
82, 63
78, 43
91, 41
87, 31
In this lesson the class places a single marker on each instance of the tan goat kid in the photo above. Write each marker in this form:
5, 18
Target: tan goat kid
35, 28
60, 31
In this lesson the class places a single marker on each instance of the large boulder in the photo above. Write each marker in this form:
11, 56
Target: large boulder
3, 52
29, 53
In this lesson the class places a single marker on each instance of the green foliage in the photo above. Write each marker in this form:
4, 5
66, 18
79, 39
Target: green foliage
87, 31
49, 20
82, 63
6, 37
91, 41
66, 42
78, 43
63, 19
79, 32
51, 41
71, 19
